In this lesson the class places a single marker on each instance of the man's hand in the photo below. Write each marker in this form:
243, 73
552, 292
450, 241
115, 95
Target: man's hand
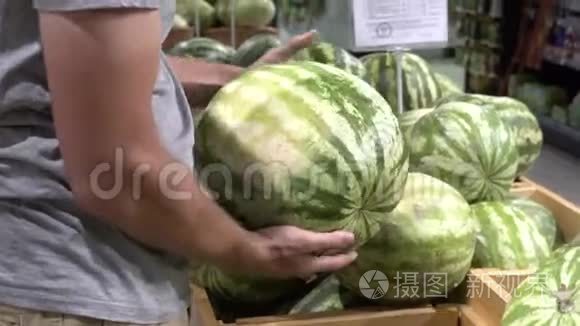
290, 252
286, 52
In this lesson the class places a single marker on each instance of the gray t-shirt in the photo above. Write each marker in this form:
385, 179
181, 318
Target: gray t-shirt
53, 256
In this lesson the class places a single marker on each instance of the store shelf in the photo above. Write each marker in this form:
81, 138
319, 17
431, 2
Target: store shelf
561, 136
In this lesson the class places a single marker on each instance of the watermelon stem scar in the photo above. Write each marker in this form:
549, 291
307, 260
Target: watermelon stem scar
564, 297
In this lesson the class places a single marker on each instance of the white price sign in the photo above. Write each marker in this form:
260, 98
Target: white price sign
391, 23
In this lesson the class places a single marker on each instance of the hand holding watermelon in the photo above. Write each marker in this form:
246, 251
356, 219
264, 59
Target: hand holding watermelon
290, 252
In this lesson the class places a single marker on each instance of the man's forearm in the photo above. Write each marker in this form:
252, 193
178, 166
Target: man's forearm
200, 79
171, 213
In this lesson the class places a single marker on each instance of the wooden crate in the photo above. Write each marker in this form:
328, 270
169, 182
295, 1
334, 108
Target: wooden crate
488, 290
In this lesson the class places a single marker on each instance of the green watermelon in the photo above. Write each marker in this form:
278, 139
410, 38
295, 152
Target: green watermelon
430, 234
254, 48
516, 115
420, 87
543, 217
446, 85
551, 296
408, 119
507, 238
303, 144
325, 297
333, 55
468, 147
203, 48
236, 288
254, 13
187, 10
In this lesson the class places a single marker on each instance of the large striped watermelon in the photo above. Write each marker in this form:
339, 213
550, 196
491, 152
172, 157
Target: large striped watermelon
420, 87
468, 147
431, 233
328, 53
551, 296
204, 48
254, 13
254, 48
542, 216
517, 116
304, 144
507, 238
408, 119
235, 288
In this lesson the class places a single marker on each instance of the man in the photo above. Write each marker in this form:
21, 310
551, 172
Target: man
91, 119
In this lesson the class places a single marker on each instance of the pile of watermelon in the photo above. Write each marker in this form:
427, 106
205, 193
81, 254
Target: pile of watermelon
316, 143
217, 13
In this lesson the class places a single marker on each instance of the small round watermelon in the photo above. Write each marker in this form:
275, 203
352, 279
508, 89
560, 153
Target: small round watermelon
203, 48
303, 144
468, 147
430, 234
516, 115
408, 119
254, 48
328, 53
420, 87
188, 8
254, 13
550, 296
507, 238
542, 216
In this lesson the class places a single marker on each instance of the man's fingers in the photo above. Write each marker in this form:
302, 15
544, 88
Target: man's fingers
328, 264
315, 242
301, 41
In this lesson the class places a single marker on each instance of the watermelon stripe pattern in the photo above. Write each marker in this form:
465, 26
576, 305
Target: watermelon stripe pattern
408, 119
323, 298
420, 88
327, 53
507, 238
468, 147
551, 296
254, 48
542, 216
516, 115
204, 48
311, 146
431, 231
447, 86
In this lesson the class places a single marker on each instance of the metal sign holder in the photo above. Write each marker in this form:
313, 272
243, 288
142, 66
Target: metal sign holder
398, 52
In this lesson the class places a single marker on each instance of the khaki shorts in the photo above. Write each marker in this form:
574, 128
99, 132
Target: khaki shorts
20, 317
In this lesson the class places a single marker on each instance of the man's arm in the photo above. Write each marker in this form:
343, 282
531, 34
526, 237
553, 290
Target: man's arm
101, 67
101, 94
